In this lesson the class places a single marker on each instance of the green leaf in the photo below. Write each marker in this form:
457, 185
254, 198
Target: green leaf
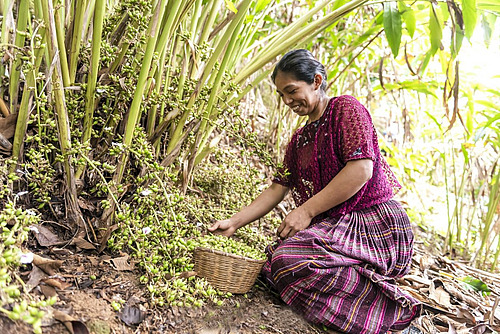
492, 5
261, 4
470, 16
476, 284
230, 5
488, 24
456, 43
491, 121
465, 153
444, 11
435, 30
488, 104
408, 16
469, 122
425, 62
392, 26
418, 86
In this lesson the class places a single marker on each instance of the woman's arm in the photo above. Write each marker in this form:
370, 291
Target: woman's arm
342, 187
260, 206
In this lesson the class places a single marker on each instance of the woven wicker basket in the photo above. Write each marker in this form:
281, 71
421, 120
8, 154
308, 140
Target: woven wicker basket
227, 272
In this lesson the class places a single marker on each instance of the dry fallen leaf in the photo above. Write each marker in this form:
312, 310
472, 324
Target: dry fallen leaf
73, 325
122, 264
47, 265
56, 283
82, 243
34, 278
48, 291
439, 294
46, 237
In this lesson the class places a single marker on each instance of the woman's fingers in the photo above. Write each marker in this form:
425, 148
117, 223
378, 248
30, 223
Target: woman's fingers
283, 230
214, 227
222, 227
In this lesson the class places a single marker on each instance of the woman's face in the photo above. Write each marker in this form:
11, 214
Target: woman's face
303, 98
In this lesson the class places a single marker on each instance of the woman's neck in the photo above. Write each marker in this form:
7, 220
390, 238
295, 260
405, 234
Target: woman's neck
320, 108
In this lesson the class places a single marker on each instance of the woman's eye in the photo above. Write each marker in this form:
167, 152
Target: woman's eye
293, 91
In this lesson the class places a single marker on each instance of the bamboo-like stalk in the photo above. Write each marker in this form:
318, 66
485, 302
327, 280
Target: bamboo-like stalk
74, 214
134, 113
134, 110
29, 90
100, 8
231, 34
208, 70
290, 37
494, 199
7, 12
170, 18
62, 48
22, 21
209, 21
76, 37
22, 119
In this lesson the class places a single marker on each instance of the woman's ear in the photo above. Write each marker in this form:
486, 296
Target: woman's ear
318, 80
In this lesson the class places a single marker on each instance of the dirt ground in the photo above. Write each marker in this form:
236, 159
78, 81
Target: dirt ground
93, 284
89, 284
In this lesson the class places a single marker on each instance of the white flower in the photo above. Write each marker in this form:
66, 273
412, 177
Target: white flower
146, 192
26, 258
146, 230
34, 229
31, 212
21, 193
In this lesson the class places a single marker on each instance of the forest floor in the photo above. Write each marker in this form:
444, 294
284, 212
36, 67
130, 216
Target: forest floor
88, 285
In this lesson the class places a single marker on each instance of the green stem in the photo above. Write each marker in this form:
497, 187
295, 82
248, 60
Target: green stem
494, 198
293, 34
62, 118
78, 16
61, 46
134, 110
22, 22
100, 8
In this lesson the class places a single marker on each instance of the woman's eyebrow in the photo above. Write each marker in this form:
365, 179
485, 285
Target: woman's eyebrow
286, 87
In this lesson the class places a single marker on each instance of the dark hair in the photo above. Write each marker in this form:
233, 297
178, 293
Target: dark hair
302, 64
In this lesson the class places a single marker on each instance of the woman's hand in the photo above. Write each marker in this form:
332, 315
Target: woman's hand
223, 227
297, 220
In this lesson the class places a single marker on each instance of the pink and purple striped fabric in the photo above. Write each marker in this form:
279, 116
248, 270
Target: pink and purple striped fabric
341, 270
340, 273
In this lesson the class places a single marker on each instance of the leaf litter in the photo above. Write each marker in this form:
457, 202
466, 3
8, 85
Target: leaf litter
456, 298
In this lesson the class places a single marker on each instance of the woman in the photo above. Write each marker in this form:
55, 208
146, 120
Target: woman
346, 241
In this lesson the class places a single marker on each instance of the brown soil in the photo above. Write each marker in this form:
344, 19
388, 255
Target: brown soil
92, 283
89, 301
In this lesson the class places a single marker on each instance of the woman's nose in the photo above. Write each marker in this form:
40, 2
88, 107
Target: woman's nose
287, 99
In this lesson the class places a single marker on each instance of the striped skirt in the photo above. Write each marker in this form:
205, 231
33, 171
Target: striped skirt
340, 272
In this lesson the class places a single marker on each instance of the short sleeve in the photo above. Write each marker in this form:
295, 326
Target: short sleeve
355, 128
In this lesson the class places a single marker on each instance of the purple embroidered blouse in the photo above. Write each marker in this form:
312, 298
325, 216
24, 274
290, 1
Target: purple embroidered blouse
319, 150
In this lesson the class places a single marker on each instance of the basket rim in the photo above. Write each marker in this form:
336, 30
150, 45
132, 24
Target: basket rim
239, 257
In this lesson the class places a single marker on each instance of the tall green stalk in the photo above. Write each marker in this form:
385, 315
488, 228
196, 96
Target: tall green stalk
294, 33
76, 37
62, 48
232, 34
100, 8
29, 91
22, 21
135, 107
62, 118
493, 202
